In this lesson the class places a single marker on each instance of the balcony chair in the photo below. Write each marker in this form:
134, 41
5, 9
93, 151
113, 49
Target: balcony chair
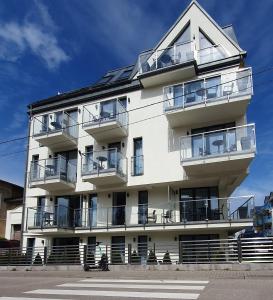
167, 216
228, 89
47, 219
212, 93
151, 218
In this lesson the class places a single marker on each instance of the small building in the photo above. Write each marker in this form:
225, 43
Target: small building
11, 203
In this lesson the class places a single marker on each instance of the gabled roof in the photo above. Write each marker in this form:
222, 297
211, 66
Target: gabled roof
194, 2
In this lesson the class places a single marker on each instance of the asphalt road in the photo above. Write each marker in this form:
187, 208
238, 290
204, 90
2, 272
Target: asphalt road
136, 285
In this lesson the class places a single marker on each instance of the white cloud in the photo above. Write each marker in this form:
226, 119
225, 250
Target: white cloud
19, 38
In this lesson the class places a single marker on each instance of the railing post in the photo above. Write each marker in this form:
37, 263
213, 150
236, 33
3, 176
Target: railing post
180, 249
45, 255
239, 247
9, 257
129, 253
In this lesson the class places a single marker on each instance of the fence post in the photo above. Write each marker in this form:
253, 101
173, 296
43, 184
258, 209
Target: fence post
180, 249
84, 254
154, 254
9, 256
45, 255
129, 253
239, 246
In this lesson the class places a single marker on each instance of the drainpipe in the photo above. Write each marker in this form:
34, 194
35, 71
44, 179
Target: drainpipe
25, 183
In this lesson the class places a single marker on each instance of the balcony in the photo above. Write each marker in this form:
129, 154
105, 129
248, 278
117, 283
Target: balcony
53, 174
166, 65
211, 54
206, 99
50, 218
104, 167
230, 149
233, 212
58, 131
106, 120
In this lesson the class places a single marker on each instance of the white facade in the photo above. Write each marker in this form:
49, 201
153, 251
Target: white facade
13, 223
203, 141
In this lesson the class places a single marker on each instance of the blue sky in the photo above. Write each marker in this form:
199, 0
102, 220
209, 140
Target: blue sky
59, 45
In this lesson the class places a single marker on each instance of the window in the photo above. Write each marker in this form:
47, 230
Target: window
185, 36
125, 75
204, 41
35, 167
105, 79
137, 161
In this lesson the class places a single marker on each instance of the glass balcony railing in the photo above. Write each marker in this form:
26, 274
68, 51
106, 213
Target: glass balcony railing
57, 216
53, 168
211, 54
103, 162
208, 90
223, 142
55, 122
137, 165
103, 112
163, 58
187, 210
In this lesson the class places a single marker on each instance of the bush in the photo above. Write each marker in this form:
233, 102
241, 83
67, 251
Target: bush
152, 260
135, 259
167, 258
38, 260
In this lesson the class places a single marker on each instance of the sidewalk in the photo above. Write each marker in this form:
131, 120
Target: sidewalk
217, 274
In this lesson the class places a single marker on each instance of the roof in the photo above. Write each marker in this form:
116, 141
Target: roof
12, 184
114, 79
12, 200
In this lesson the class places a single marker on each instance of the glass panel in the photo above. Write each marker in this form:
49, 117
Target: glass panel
108, 109
118, 210
213, 87
138, 161
194, 92
178, 95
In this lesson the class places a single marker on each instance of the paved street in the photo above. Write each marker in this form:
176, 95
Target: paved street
136, 285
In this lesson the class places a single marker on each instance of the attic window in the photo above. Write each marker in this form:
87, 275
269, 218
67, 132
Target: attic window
125, 74
204, 41
185, 36
105, 79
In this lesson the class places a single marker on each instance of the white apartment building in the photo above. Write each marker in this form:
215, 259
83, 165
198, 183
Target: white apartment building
152, 152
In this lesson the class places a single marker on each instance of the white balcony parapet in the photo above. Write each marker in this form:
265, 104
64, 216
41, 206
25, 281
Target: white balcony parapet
218, 143
104, 167
105, 119
163, 58
208, 90
52, 172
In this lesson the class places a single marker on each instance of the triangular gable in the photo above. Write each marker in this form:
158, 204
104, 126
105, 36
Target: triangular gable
199, 20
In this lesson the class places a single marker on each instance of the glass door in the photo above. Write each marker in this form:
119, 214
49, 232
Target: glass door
108, 109
142, 247
118, 209
93, 199
113, 155
142, 207
118, 250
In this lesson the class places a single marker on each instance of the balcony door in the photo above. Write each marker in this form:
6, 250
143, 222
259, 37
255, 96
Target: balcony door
67, 164
213, 140
93, 199
142, 207
142, 247
118, 249
40, 214
113, 155
198, 204
118, 209
108, 109
35, 169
